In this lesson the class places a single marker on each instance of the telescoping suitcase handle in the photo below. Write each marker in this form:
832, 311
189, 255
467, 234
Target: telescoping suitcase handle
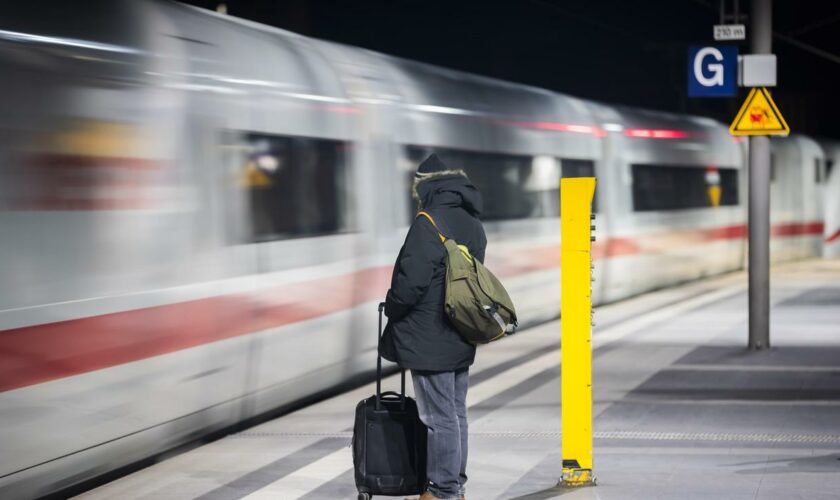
379, 394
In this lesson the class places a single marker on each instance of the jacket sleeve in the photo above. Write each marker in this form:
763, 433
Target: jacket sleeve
421, 255
482, 245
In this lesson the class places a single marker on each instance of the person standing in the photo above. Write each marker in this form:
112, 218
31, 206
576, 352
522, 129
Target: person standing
419, 337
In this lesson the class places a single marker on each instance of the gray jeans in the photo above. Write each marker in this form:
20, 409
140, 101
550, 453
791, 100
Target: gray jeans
442, 403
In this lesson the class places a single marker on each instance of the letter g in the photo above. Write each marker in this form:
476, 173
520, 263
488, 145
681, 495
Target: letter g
715, 69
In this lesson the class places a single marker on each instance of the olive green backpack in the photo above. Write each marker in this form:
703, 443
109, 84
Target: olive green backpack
476, 302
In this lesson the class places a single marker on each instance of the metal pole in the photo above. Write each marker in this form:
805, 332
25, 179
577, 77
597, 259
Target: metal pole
759, 242
759, 203
761, 40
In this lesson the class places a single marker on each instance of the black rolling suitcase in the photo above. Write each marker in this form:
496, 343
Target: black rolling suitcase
389, 441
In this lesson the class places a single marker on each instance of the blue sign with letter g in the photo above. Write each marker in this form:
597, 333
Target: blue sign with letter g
712, 71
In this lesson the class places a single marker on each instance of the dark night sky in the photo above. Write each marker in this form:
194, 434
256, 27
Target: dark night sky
628, 52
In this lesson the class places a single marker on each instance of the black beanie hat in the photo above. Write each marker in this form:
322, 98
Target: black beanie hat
430, 165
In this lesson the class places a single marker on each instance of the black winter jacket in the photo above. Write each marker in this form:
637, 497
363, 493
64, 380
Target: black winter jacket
418, 334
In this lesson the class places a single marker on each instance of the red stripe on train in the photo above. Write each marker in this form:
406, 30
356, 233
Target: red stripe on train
40, 353
797, 229
835, 235
621, 246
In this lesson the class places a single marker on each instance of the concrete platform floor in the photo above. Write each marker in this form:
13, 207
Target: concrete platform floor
683, 410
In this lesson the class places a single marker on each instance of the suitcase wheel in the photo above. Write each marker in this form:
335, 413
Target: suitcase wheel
363, 496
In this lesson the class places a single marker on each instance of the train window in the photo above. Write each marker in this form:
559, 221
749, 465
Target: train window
505, 181
512, 186
772, 167
728, 186
818, 173
296, 186
829, 164
578, 168
661, 187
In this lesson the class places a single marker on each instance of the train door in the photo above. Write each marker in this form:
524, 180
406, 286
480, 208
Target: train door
831, 234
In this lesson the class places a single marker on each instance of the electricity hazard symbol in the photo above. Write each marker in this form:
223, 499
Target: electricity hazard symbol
759, 116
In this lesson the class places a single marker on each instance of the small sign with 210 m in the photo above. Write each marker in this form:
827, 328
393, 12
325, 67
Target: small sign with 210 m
730, 32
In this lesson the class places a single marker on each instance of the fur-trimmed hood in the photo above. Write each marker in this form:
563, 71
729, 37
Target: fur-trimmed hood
447, 188
433, 175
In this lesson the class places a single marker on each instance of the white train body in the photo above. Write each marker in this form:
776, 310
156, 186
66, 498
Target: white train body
831, 240
198, 214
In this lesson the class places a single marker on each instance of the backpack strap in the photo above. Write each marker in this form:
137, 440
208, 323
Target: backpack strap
426, 215
463, 248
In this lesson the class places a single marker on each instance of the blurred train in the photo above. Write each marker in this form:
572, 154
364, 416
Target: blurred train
198, 214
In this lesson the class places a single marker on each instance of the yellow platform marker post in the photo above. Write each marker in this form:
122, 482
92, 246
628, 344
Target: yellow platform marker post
576, 221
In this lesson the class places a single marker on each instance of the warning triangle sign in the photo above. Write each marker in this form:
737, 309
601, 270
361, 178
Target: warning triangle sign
759, 116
